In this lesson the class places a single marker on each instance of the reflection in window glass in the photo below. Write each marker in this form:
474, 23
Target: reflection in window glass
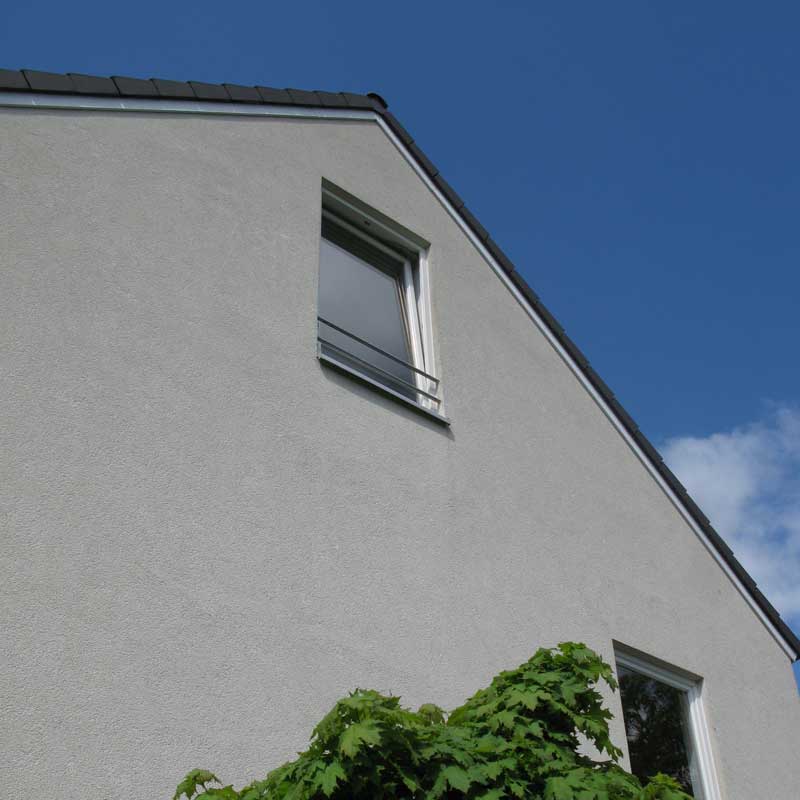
359, 291
656, 725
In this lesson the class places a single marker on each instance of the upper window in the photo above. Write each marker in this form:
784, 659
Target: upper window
665, 726
374, 314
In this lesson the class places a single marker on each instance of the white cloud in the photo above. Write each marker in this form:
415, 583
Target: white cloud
748, 483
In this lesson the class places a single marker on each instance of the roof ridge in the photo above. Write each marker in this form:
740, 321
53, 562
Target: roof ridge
156, 88
29, 80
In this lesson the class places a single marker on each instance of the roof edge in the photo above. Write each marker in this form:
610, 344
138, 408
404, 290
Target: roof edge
33, 81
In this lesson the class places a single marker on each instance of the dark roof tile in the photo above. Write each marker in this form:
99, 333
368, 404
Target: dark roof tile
519, 281
528, 293
474, 224
135, 87
504, 261
301, 97
14, 80
578, 356
551, 322
627, 420
358, 100
91, 84
448, 191
49, 82
210, 91
649, 450
378, 101
596, 380
740, 571
243, 94
277, 96
758, 593
423, 160
177, 90
694, 509
331, 99
673, 481
399, 131
523, 287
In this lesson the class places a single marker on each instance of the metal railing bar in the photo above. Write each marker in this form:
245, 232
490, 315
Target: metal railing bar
334, 361
378, 350
374, 368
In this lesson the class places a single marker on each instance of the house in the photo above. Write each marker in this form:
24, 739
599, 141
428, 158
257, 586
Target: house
280, 419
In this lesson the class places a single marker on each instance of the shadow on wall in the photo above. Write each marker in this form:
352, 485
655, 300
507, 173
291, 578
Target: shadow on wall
374, 395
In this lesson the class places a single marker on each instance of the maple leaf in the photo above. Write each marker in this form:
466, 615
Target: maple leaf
357, 734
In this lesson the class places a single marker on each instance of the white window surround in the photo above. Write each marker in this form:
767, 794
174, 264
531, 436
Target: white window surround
412, 252
698, 723
34, 100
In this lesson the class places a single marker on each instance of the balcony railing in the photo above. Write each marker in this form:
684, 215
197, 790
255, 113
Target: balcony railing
391, 374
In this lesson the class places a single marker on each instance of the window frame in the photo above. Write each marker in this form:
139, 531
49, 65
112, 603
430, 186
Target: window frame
697, 721
413, 297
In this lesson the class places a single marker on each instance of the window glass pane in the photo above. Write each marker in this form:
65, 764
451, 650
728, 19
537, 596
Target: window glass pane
364, 300
656, 725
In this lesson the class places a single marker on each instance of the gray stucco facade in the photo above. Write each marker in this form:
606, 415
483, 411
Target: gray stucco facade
208, 536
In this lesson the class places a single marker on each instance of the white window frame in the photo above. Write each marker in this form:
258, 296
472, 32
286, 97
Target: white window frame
697, 720
415, 282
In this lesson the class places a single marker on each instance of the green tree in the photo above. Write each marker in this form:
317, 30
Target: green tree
517, 738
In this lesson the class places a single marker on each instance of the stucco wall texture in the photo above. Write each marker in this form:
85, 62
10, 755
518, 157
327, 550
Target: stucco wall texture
208, 536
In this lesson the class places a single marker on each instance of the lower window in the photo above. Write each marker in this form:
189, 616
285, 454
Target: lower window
665, 725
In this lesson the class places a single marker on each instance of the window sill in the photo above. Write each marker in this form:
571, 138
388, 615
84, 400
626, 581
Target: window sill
339, 366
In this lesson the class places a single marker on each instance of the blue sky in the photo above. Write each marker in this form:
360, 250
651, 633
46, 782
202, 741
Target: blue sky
637, 160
